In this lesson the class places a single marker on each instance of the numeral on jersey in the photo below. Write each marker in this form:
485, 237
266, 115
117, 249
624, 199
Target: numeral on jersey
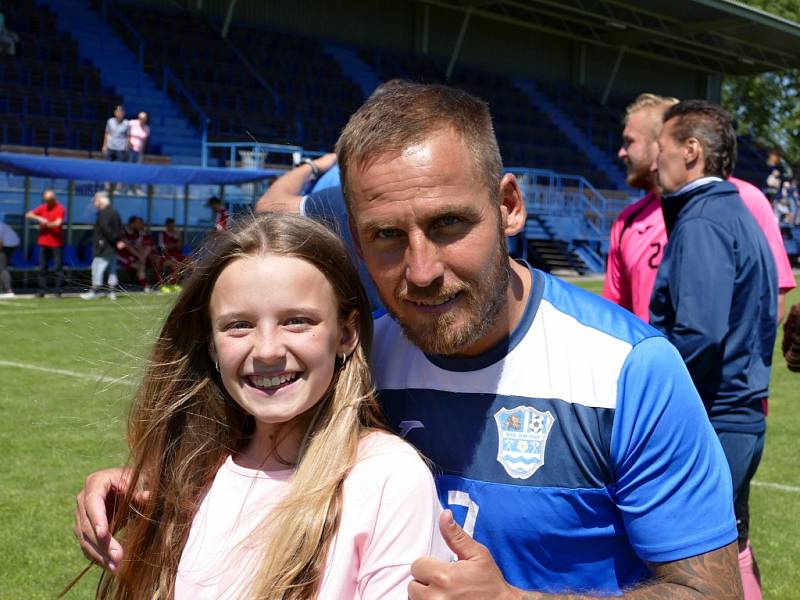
459, 498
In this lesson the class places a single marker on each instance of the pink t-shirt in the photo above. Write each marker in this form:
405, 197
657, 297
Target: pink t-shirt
389, 519
637, 244
138, 134
635, 249
761, 209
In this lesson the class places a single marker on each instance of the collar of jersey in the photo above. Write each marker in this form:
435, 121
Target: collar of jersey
507, 344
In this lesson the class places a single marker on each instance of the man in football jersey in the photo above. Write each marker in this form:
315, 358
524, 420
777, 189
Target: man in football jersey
566, 434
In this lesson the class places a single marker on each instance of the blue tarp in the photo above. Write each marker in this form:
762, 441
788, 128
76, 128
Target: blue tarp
84, 169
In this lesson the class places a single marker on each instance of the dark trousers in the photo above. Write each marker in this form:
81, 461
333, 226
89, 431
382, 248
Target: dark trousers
743, 451
45, 254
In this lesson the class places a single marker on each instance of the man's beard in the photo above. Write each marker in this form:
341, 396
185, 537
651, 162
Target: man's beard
640, 179
484, 299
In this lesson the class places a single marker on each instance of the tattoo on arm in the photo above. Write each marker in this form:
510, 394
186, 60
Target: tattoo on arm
711, 575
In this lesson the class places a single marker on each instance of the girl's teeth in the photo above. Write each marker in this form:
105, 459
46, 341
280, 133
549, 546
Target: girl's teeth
268, 382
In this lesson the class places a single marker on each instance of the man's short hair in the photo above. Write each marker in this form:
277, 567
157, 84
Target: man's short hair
648, 101
404, 114
712, 126
102, 199
169, 221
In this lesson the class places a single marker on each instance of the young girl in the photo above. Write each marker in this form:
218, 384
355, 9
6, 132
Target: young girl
257, 435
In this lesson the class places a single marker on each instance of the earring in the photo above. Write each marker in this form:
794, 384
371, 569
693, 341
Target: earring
216, 365
344, 358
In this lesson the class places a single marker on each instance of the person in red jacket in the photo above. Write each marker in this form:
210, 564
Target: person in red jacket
50, 216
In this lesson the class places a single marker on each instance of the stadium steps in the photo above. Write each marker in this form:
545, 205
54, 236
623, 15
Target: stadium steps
549, 253
119, 69
578, 138
361, 73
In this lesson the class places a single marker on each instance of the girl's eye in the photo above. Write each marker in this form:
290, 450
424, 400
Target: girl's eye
298, 321
238, 325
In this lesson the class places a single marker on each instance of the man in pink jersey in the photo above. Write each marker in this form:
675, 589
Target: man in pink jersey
639, 235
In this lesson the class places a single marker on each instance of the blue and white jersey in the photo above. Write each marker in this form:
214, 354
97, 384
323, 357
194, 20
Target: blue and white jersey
575, 450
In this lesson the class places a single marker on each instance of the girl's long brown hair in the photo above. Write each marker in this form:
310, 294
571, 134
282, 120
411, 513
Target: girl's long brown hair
183, 426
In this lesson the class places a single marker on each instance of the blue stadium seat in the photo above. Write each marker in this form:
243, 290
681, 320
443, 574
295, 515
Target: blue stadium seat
18, 260
71, 258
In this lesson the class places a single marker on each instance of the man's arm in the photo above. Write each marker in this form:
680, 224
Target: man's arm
710, 575
32, 215
284, 193
614, 285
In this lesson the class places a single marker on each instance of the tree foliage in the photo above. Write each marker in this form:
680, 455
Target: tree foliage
766, 106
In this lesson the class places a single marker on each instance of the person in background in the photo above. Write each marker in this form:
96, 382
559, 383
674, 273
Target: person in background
219, 213
9, 242
170, 256
115, 138
50, 216
138, 250
106, 241
774, 179
715, 295
139, 135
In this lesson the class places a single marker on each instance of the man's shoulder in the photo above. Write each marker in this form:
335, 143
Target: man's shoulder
585, 310
637, 208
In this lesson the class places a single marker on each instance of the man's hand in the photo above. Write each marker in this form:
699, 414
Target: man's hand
94, 506
473, 575
121, 245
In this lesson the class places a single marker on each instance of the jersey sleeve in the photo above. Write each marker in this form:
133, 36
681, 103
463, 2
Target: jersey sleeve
612, 286
404, 526
672, 482
39, 210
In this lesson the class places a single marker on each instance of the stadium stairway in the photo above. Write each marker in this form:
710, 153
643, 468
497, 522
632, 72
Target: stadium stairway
119, 69
361, 73
571, 131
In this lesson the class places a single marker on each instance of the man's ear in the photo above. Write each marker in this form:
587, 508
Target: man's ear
512, 206
692, 151
349, 336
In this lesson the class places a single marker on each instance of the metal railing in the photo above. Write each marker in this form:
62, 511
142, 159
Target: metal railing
254, 154
547, 192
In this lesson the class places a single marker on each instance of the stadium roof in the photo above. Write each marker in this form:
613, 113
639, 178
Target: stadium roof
49, 167
715, 36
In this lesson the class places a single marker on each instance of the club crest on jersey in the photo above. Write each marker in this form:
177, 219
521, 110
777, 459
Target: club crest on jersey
522, 435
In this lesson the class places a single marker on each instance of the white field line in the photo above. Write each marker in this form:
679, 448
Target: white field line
66, 311
776, 486
65, 372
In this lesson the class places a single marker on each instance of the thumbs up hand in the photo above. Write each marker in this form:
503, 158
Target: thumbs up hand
473, 575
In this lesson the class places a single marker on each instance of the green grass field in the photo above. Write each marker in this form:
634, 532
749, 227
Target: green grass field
68, 369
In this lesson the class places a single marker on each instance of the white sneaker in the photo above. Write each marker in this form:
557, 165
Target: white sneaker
112, 295
7, 295
90, 295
